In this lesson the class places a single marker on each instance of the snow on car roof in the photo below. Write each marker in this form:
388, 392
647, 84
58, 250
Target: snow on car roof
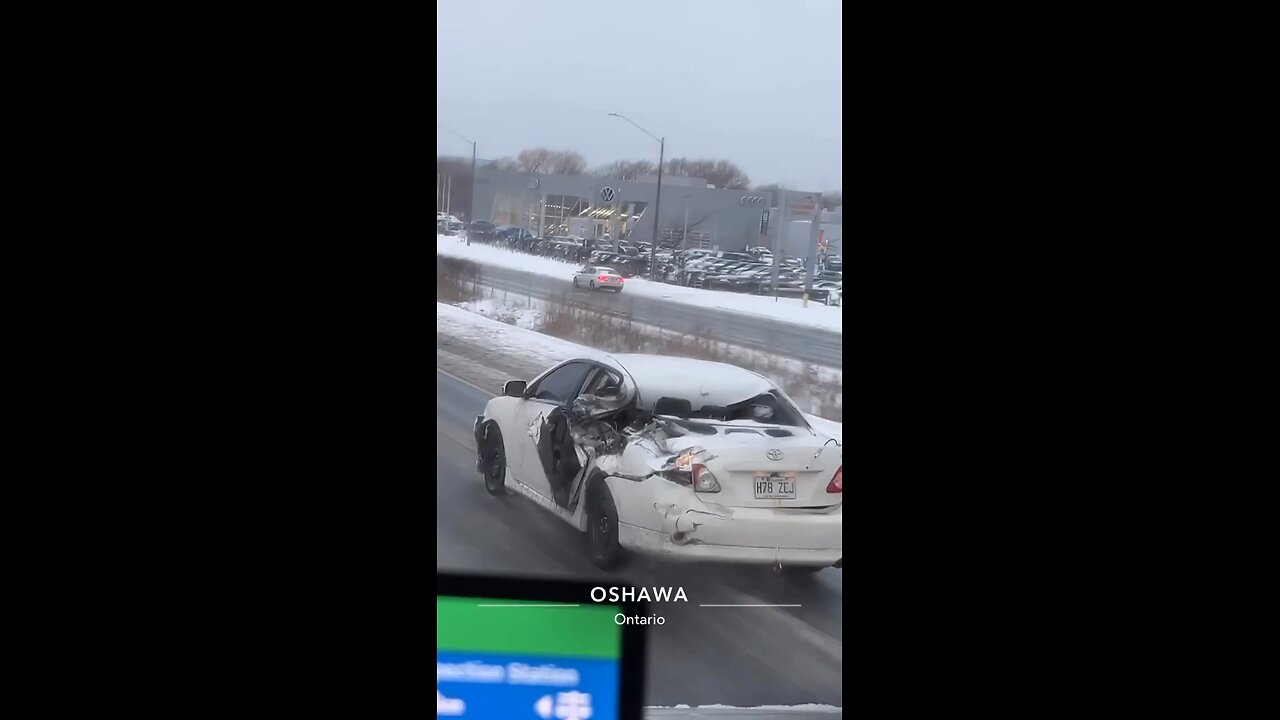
701, 382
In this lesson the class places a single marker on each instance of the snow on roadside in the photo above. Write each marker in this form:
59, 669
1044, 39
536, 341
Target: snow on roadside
786, 310
521, 345
544, 350
529, 318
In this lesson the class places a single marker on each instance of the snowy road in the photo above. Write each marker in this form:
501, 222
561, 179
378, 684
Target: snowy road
701, 656
720, 313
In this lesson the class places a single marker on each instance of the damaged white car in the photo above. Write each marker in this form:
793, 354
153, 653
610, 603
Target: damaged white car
669, 456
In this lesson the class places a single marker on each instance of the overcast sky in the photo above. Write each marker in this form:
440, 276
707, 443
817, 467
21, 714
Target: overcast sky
756, 82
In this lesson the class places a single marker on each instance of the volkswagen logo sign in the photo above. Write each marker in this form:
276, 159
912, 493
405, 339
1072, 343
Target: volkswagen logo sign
774, 454
606, 194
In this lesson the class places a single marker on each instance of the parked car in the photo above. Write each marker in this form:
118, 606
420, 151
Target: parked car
677, 458
481, 231
448, 225
748, 282
517, 238
598, 277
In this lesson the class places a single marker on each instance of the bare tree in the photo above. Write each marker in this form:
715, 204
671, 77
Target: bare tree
725, 174
625, 169
721, 173
549, 162
535, 159
568, 163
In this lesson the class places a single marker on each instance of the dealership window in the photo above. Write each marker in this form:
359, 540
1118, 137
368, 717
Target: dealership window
558, 211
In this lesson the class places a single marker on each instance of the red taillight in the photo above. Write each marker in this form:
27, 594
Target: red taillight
704, 481
836, 484
604, 277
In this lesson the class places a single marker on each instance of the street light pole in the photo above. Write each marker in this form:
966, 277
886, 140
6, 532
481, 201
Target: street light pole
472, 211
657, 208
657, 205
684, 236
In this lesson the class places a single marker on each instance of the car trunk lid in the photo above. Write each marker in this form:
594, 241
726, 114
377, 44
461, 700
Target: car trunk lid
755, 469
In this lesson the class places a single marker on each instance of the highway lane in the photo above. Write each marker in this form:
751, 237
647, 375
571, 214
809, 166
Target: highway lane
807, 344
701, 656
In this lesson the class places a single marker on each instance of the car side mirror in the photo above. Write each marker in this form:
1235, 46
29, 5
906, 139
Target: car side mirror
514, 388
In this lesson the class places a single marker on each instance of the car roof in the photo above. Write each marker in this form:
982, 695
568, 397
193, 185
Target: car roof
702, 382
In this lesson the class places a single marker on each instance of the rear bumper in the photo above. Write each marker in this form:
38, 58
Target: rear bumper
661, 518
652, 542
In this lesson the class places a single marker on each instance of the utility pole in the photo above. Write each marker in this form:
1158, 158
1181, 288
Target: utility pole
472, 211
657, 210
657, 205
778, 244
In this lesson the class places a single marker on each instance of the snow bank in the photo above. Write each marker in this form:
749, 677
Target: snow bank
529, 318
521, 345
788, 310
543, 351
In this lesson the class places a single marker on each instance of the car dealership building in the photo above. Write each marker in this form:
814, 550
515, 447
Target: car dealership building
595, 207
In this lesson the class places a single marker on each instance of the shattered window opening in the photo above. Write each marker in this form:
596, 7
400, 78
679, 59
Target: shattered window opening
764, 410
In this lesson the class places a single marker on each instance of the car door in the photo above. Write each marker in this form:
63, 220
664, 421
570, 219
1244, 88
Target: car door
554, 390
561, 456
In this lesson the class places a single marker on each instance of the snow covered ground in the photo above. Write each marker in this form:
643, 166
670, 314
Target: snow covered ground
523, 316
534, 348
815, 388
787, 310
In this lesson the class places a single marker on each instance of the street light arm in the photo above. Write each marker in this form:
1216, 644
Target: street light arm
657, 201
646, 132
472, 213
455, 132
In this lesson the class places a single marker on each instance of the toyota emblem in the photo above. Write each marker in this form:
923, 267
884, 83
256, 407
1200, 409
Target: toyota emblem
774, 454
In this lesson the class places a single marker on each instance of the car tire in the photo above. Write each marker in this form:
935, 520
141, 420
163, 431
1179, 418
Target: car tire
493, 460
602, 528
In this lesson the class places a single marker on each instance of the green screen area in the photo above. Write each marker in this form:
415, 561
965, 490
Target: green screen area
527, 627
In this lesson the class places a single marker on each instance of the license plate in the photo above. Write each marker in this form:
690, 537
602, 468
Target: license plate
775, 487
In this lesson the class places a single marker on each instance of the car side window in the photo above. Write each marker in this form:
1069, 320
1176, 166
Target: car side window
602, 380
562, 385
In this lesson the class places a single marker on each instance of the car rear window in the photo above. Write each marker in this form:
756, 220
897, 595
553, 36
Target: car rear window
769, 408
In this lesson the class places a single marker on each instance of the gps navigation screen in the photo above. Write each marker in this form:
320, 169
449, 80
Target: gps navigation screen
506, 658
